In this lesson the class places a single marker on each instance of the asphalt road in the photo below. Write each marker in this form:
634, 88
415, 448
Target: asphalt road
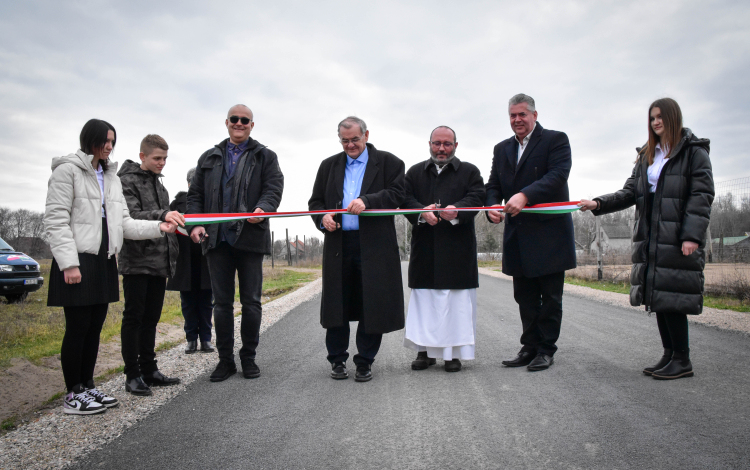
592, 409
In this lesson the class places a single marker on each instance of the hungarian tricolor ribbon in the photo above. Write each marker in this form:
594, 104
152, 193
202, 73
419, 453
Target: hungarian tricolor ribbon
204, 219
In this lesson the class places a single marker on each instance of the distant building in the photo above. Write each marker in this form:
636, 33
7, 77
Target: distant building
614, 238
731, 249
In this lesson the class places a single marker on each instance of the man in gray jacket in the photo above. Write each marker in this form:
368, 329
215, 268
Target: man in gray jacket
145, 266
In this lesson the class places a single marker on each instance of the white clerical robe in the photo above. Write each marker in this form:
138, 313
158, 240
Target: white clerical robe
442, 322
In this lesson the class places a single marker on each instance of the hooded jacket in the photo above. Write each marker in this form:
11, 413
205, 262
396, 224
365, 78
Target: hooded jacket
147, 199
662, 278
73, 211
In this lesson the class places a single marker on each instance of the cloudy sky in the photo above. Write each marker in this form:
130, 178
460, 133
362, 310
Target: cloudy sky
174, 68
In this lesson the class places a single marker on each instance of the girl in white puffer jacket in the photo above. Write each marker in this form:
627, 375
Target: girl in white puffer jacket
85, 220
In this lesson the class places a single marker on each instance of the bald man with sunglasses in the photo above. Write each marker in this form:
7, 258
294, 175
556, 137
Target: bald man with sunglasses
237, 175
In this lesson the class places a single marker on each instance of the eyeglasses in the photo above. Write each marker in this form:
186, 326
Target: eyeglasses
243, 120
348, 141
444, 144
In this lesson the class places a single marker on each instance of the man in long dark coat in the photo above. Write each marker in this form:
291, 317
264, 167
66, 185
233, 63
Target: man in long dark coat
532, 167
361, 265
443, 276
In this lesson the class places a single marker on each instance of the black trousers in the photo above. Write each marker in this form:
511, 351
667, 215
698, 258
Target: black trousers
144, 298
673, 329
223, 262
540, 303
197, 309
337, 338
80, 345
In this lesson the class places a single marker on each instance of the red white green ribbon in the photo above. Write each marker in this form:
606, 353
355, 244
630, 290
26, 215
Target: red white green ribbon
205, 219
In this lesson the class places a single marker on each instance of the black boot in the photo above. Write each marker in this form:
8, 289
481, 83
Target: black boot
679, 366
662, 362
422, 362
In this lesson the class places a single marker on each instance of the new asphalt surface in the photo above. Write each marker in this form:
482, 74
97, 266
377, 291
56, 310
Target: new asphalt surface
592, 409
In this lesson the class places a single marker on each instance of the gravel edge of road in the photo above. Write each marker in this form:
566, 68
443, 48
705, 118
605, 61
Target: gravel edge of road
715, 317
57, 440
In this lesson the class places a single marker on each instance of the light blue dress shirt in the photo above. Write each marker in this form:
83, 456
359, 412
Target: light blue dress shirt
353, 176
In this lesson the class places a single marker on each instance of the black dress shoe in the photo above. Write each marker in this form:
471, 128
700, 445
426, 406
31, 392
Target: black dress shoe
363, 374
338, 371
662, 362
157, 379
540, 362
250, 369
522, 359
453, 366
138, 387
680, 366
422, 362
207, 347
223, 371
191, 347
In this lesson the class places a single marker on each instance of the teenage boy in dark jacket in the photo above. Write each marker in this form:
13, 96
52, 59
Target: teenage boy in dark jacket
145, 266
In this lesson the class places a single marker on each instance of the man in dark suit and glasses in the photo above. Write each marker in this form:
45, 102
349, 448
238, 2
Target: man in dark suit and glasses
532, 167
361, 265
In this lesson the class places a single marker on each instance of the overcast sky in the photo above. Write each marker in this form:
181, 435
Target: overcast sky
175, 68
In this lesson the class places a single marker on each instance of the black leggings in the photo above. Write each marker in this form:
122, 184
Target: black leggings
80, 345
673, 328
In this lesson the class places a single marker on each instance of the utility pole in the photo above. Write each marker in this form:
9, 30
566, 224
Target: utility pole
304, 243
599, 247
288, 249
296, 250
273, 249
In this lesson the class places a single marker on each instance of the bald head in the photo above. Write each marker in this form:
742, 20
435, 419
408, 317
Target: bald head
242, 107
239, 130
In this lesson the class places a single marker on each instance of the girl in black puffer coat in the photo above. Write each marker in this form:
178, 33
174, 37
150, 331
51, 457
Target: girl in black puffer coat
672, 188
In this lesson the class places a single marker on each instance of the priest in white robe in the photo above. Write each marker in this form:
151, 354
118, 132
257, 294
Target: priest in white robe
443, 275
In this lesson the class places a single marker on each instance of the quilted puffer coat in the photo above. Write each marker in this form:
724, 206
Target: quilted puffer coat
662, 278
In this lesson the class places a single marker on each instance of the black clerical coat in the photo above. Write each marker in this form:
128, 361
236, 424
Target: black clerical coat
383, 294
444, 256
534, 244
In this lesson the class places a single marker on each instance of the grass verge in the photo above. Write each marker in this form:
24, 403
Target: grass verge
710, 301
31, 330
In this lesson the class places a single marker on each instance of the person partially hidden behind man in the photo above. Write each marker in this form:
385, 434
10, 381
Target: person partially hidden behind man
145, 266
194, 283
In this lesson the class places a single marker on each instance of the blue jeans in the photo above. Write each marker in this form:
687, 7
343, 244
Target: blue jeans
197, 309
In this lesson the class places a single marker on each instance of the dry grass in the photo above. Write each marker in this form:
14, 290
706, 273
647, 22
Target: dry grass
32, 330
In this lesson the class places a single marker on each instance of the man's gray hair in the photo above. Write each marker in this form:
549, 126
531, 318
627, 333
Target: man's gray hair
351, 121
521, 98
191, 173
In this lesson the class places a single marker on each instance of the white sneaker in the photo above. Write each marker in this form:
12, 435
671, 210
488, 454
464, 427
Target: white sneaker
82, 404
102, 398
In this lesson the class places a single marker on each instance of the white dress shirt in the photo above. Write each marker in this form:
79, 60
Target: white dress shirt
522, 145
654, 170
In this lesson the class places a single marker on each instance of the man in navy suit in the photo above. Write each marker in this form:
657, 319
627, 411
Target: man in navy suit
532, 167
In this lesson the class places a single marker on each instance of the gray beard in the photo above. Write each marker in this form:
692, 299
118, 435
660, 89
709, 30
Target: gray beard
441, 163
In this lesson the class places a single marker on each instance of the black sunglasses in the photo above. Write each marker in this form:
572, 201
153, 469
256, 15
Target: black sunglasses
244, 120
